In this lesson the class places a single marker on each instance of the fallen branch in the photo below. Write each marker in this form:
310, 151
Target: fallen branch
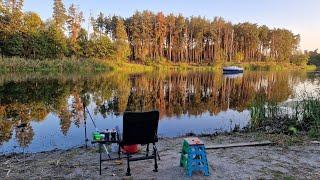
17, 159
223, 146
9, 170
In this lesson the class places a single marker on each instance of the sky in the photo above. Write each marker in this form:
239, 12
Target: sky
300, 16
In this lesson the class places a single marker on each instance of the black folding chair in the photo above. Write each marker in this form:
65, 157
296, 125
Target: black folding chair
140, 128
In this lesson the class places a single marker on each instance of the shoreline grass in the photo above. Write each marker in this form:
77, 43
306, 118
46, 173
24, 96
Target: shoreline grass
271, 66
10, 65
95, 65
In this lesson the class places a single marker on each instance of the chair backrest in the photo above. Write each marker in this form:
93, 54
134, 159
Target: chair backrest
140, 127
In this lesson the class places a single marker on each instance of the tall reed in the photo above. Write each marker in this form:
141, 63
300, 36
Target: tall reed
302, 115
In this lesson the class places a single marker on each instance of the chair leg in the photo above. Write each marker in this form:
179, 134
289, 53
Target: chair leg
100, 158
128, 165
147, 150
155, 158
157, 152
119, 151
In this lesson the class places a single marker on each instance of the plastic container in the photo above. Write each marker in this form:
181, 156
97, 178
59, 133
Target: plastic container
96, 136
131, 149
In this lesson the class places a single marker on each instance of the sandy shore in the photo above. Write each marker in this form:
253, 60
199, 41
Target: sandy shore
284, 159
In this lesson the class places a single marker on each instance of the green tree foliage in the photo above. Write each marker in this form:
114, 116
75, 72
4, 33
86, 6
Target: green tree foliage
57, 39
299, 59
121, 45
13, 45
314, 57
100, 47
143, 37
83, 40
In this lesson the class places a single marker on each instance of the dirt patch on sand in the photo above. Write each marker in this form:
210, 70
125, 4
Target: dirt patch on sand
299, 161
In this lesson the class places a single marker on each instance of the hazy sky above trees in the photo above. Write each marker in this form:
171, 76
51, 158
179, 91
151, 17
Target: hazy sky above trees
301, 17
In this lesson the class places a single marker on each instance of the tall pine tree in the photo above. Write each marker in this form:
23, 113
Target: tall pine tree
59, 14
121, 42
75, 18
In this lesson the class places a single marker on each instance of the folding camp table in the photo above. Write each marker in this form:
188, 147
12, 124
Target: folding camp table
104, 143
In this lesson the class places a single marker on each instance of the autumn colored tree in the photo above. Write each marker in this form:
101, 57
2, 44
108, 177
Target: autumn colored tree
160, 34
10, 26
59, 14
170, 28
32, 22
75, 18
264, 44
14, 14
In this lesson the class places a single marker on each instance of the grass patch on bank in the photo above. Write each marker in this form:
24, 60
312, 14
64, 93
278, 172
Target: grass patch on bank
123, 66
270, 66
56, 65
165, 65
96, 65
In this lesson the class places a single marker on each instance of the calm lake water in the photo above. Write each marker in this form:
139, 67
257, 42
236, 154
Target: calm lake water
197, 102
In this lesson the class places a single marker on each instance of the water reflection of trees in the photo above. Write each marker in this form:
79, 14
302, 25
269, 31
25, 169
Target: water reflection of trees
174, 94
24, 135
195, 93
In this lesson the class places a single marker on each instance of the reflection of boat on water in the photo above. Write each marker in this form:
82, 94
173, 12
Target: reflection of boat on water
233, 75
232, 70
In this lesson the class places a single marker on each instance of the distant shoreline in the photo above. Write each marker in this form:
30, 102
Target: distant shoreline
15, 65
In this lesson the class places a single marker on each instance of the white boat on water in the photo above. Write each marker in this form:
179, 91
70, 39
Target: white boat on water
232, 70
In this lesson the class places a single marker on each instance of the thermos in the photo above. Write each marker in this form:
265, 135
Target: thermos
113, 135
107, 135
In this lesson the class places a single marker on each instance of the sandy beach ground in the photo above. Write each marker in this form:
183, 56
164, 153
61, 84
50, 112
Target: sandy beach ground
287, 158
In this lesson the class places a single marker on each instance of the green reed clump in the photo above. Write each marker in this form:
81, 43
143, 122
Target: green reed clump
300, 116
309, 110
56, 65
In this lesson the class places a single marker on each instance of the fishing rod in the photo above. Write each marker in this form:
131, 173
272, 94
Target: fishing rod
87, 110
94, 124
